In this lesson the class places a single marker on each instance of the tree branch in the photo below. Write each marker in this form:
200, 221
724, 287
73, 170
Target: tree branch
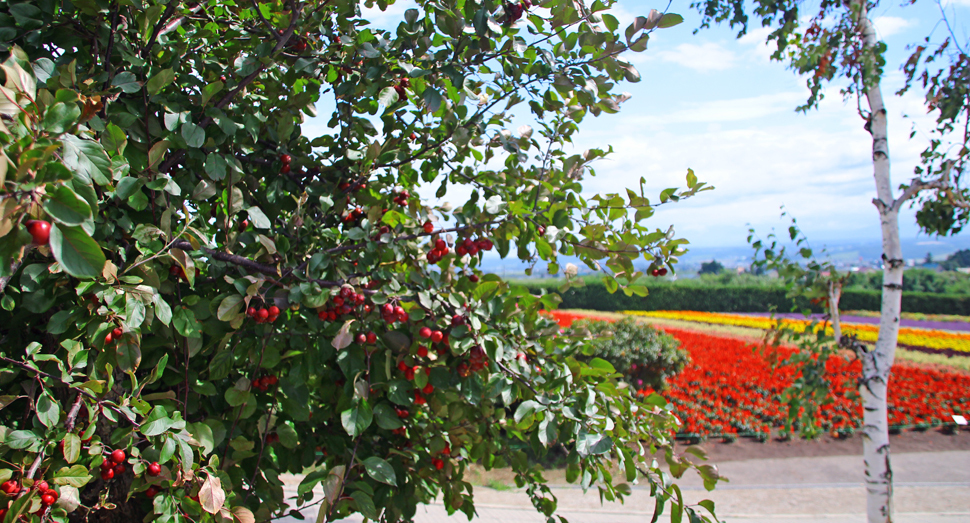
265, 21
6, 279
169, 11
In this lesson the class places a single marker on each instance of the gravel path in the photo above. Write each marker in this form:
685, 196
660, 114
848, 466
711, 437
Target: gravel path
930, 487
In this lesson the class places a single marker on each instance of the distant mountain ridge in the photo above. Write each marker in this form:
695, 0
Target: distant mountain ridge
843, 252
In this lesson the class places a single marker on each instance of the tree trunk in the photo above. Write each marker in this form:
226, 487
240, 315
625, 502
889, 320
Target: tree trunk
876, 365
835, 294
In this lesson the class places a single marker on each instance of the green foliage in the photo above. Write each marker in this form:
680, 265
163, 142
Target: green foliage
916, 280
711, 267
956, 260
699, 296
211, 269
645, 356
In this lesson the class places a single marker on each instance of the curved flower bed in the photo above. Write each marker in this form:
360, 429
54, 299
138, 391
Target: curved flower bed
928, 340
731, 389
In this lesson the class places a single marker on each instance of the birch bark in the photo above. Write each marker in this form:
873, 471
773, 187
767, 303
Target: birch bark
876, 365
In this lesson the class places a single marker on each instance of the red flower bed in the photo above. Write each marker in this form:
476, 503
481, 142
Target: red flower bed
730, 388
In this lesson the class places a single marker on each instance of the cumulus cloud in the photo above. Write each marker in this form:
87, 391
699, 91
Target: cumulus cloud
887, 26
705, 57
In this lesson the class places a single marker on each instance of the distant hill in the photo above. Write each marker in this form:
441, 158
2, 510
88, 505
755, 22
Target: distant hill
844, 253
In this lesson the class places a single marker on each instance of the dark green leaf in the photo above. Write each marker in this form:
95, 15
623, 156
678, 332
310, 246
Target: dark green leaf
78, 254
380, 470
356, 419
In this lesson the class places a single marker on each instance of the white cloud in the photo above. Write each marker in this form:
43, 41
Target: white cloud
887, 26
705, 57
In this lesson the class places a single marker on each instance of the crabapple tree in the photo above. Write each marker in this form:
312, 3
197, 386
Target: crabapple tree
197, 297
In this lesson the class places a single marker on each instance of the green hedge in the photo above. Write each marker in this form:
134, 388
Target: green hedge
738, 298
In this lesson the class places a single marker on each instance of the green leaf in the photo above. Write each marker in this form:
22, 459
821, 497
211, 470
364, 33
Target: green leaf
160, 80
185, 323
157, 422
288, 436
365, 504
127, 82
48, 410
193, 134
66, 207
203, 434
210, 90
380, 470
526, 408
22, 439
433, 99
77, 253
229, 307
600, 363
61, 117
356, 419
260, 221
72, 447
388, 97
75, 476
386, 417
216, 166
87, 159
670, 20
128, 355
236, 397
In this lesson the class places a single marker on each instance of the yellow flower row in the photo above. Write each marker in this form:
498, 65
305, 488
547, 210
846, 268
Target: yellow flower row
926, 338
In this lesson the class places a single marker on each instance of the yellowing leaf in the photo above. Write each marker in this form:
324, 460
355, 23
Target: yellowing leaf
211, 495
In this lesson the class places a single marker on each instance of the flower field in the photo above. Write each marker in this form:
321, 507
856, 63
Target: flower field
927, 340
730, 389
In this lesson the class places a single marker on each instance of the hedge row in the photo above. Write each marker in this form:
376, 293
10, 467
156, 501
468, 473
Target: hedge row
737, 298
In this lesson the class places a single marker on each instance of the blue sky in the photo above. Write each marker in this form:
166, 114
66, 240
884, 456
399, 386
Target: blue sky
718, 105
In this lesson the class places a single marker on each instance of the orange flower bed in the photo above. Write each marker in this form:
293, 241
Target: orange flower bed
927, 339
730, 388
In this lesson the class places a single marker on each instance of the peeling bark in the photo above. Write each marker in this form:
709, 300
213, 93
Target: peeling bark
876, 365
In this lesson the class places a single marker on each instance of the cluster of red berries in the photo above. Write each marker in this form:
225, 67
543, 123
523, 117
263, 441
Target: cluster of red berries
261, 384
440, 250
299, 44
40, 231
343, 304
477, 360
438, 463
427, 390
659, 272
401, 198
354, 215
10, 487
392, 313
113, 336
401, 87
264, 315
434, 335
285, 159
177, 271
48, 496
472, 247
114, 465
401, 413
272, 438
409, 370
344, 186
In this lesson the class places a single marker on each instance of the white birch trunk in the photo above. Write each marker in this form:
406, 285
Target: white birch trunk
876, 365
835, 294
